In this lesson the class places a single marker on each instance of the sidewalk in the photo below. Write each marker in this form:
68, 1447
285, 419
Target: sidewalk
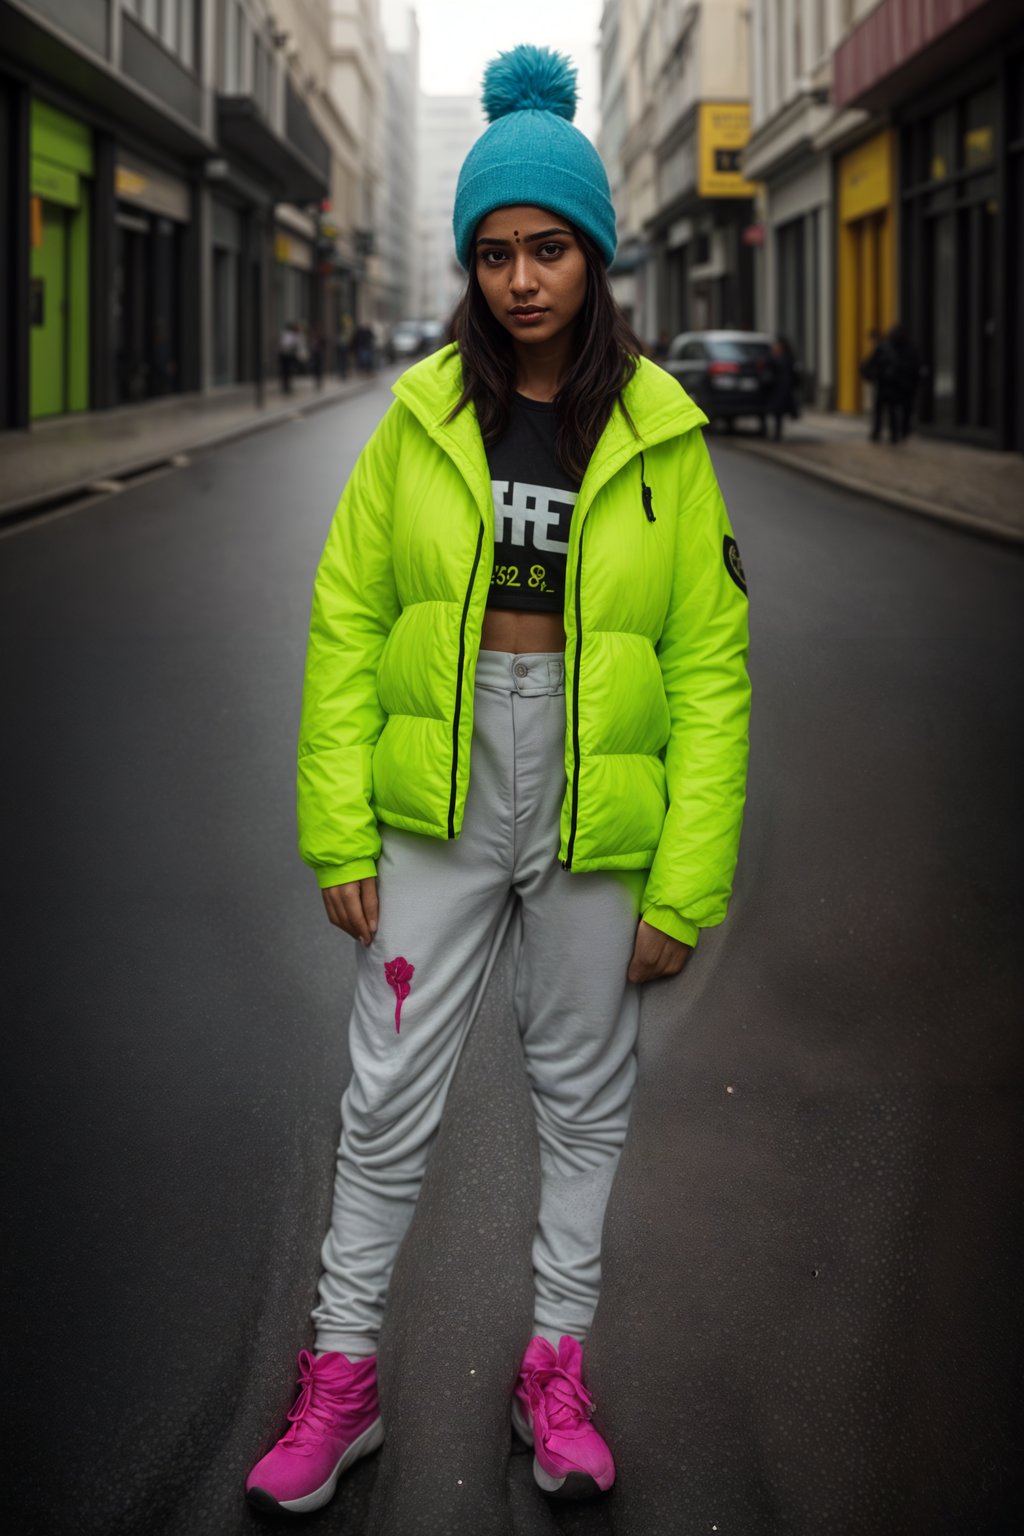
974, 489
63, 459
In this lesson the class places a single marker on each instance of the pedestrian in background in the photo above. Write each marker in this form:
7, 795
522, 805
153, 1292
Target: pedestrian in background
301, 346
905, 369
878, 369
286, 346
342, 346
783, 399
531, 721
363, 343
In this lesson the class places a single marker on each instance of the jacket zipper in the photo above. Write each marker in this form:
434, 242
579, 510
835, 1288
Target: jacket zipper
567, 862
458, 684
648, 505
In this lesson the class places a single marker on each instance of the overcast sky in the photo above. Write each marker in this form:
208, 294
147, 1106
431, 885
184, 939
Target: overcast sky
457, 37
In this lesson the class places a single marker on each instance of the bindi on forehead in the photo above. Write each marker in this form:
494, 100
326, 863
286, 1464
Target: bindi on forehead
516, 233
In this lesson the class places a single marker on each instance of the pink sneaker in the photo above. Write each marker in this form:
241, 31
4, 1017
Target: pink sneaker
335, 1420
552, 1409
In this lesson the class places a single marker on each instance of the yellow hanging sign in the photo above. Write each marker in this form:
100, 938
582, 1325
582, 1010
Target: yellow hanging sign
723, 130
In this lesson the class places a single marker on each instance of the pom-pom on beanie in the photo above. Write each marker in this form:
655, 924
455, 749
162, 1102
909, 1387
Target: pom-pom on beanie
531, 153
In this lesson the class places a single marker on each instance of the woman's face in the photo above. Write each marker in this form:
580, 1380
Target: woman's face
532, 271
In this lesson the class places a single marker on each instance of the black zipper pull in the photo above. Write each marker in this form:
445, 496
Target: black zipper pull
645, 493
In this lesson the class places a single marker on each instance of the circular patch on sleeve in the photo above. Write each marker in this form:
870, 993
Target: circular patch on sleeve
733, 563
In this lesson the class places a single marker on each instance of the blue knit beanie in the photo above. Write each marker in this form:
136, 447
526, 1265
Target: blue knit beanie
531, 153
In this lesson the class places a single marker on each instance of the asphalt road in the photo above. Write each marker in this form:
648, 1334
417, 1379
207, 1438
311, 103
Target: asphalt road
809, 1322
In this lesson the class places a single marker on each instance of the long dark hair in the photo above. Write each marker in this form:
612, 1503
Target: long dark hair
605, 361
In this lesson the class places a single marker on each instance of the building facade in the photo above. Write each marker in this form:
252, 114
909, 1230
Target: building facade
448, 127
948, 81
357, 84
610, 143
887, 142
264, 92
145, 146
398, 224
791, 78
675, 93
322, 285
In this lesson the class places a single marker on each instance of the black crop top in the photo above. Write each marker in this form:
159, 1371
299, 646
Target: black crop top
533, 502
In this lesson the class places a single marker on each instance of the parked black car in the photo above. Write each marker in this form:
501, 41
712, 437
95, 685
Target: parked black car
727, 373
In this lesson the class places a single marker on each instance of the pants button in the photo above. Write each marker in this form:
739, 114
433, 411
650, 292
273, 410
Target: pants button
521, 670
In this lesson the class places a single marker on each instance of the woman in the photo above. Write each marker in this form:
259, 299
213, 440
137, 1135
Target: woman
527, 662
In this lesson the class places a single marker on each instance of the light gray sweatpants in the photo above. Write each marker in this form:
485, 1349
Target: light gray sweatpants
444, 909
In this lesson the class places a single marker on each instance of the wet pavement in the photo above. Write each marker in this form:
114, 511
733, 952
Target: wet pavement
812, 1264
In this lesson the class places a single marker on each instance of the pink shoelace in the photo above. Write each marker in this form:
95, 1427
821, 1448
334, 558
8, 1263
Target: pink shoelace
313, 1416
567, 1403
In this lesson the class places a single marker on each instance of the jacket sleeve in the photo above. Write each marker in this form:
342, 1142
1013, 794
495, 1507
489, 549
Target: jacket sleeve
354, 608
703, 658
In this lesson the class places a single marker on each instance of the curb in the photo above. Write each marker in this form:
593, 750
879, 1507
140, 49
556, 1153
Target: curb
981, 527
89, 487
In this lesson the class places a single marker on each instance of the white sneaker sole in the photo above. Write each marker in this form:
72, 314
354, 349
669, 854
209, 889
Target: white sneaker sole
363, 1444
574, 1485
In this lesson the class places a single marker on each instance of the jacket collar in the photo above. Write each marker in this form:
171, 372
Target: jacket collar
430, 389
660, 409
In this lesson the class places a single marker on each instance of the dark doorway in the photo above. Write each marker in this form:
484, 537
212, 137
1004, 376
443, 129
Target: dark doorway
147, 306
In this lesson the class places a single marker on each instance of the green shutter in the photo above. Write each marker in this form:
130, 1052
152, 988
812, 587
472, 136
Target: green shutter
60, 139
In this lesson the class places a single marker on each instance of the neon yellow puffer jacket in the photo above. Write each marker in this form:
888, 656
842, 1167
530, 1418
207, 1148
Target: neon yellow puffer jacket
657, 695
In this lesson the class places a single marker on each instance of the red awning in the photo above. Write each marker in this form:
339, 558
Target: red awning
904, 46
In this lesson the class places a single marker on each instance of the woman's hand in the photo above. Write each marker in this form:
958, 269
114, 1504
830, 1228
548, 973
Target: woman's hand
353, 907
655, 954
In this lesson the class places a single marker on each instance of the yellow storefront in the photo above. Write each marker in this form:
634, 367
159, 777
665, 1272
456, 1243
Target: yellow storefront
865, 260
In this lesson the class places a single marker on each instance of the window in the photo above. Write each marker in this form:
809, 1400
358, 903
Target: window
169, 25
951, 244
978, 143
943, 145
916, 154
780, 53
738, 351
146, 312
791, 283
261, 75
187, 34
172, 21
944, 310
234, 49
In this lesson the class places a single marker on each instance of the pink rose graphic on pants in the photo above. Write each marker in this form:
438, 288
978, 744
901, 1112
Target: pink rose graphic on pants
398, 974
